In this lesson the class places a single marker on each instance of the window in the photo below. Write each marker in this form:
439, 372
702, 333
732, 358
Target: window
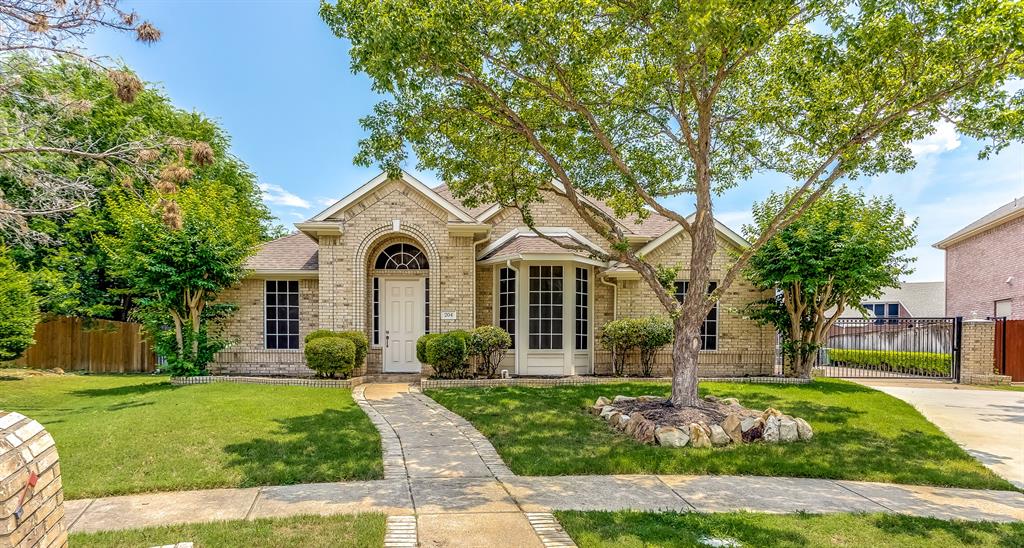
709, 329
582, 308
282, 314
546, 307
507, 302
1003, 308
426, 305
376, 311
883, 310
401, 257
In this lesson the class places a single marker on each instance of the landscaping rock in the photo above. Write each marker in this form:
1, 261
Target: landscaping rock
699, 436
644, 431
670, 436
803, 429
771, 430
732, 428
787, 430
720, 438
729, 401
746, 423
710, 398
651, 398
770, 412
755, 432
621, 398
613, 419
607, 411
623, 419
599, 405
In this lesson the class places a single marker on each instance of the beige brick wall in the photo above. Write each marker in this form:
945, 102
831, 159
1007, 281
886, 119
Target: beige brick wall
247, 354
27, 448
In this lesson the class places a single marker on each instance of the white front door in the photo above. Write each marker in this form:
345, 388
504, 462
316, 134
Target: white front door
403, 324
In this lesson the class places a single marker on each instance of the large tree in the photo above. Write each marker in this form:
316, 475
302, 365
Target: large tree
844, 248
635, 102
71, 270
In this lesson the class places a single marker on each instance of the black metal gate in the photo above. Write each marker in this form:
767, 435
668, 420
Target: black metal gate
892, 348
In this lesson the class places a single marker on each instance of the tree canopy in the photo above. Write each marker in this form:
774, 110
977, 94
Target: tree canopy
636, 102
843, 249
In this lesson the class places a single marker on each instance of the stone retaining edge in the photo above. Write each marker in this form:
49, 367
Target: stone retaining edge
284, 381
427, 384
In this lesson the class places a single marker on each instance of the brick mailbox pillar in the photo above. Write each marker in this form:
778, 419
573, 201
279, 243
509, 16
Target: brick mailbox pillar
30, 515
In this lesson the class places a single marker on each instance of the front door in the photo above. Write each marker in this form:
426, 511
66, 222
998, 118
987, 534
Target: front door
403, 324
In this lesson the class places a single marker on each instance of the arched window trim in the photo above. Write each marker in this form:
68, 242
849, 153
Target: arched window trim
401, 256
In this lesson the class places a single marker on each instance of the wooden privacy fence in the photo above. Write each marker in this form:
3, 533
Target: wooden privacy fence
98, 346
1009, 355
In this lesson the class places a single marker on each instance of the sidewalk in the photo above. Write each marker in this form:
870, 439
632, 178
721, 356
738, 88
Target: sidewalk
439, 469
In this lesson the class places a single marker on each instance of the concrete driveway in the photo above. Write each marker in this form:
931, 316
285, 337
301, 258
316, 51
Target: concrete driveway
989, 424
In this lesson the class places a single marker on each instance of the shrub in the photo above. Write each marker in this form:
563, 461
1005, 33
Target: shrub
621, 336
331, 356
489, 343
447, 353
19, 309
653, 333
361, 343
320, 333
882, 360
421, 346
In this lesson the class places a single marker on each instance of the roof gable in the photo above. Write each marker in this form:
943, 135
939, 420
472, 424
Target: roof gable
1000, 215
383, 178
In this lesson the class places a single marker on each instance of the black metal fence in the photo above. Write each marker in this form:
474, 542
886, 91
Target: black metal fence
892, 348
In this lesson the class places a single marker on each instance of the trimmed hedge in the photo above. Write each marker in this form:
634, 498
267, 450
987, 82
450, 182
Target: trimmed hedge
447, 353
421, 346
900, 362
320, 333
331, 356
489, 344
361, 343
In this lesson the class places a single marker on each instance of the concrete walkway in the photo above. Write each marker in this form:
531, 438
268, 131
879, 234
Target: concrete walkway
443, 472
987, 423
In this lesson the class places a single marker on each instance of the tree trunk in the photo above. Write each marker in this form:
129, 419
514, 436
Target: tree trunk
178, 334
685, 350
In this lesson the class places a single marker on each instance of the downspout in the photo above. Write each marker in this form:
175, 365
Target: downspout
508, 265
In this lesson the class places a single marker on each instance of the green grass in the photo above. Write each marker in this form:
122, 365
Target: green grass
342, 531
633, 529
130, 434
860, 434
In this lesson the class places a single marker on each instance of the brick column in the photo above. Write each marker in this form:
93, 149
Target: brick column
27, 448
977, 362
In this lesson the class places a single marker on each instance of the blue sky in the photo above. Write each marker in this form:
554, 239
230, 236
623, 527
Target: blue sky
272, 74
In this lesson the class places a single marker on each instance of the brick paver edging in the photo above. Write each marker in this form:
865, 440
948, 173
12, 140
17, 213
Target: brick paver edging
576, 381
285, 381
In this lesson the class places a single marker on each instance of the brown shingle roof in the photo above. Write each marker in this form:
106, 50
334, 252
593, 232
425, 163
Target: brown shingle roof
293, 252
446, 193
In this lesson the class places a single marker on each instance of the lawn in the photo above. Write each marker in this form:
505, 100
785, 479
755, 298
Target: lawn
633, 529
119, 434
860, 434
342, 531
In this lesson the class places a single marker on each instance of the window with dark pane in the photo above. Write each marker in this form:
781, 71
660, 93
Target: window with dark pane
709, 329
546, 307
507, 302
582, 308
401, 257
426, 305
376, 311
282, 314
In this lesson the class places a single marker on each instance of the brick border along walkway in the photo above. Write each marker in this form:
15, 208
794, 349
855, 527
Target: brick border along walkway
441, 470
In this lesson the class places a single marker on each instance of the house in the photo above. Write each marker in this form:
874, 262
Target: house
397, 259
985, 265
909, 300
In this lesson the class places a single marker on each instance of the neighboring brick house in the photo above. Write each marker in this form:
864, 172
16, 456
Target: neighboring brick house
985, 265
397, 259
909, 300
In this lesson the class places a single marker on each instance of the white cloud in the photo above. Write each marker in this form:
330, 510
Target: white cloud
327, 202
944, 139
276, 195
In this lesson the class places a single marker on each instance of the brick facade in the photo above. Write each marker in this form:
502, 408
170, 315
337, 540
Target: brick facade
340, 295
26, 448
977, 270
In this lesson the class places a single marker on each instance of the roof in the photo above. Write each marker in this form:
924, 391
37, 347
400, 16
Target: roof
1002, 214
522, 242
295, 252
446, 193
452, 207
921, 299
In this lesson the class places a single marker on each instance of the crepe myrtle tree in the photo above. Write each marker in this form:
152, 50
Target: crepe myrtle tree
844, 248
637, 102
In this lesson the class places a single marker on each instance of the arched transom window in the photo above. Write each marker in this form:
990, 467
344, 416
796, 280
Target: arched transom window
401, 257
